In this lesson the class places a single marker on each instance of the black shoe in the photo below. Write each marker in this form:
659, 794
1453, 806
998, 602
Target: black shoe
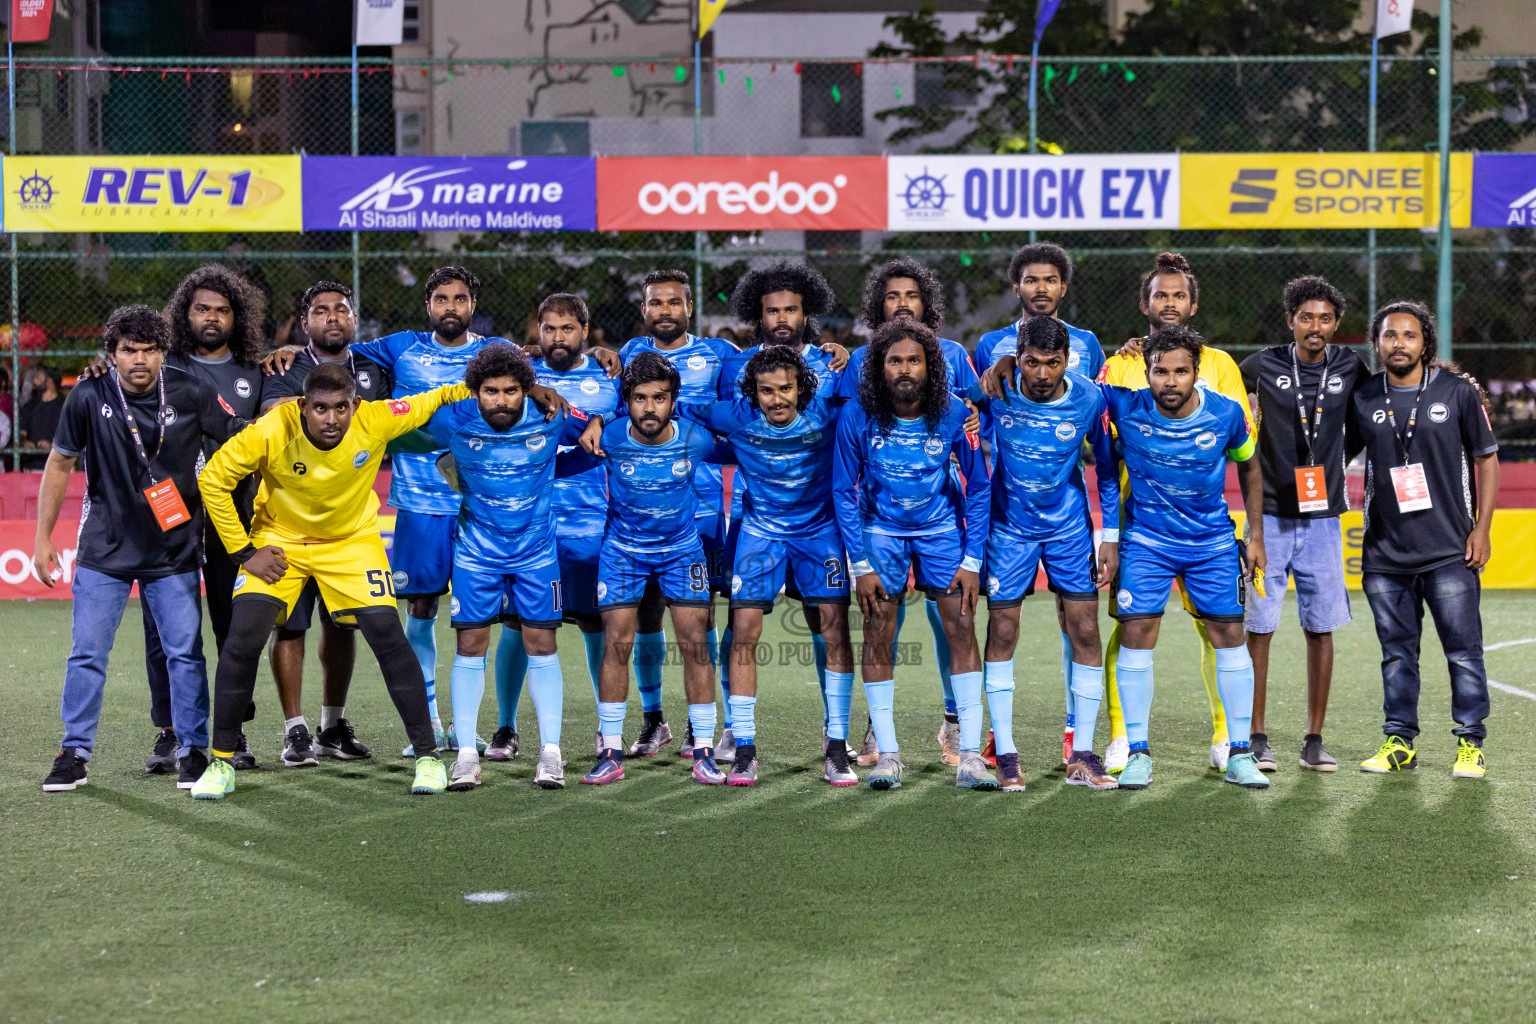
243, 760
68, 772
504, 745
192, 768
163, 760
299, 749
340, 742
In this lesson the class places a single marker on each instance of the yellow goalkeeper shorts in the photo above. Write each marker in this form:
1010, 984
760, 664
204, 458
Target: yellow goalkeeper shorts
352, 574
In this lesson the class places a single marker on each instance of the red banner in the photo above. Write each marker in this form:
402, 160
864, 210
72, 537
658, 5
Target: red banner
749, 193
17, 578
30, 20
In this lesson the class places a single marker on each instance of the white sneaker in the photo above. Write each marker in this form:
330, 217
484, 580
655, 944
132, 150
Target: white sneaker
1117, 754
466, 772
725, 750
550, 773
1219, 754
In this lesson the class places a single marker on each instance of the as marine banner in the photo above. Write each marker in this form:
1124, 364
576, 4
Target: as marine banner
152, 193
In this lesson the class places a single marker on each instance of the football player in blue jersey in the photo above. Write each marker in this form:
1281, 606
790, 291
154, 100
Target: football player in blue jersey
783, 435
1040, 273
580, 506
500, 453
897, 506
1040, 514
905, 287
651, 537
666, 305
1175, 439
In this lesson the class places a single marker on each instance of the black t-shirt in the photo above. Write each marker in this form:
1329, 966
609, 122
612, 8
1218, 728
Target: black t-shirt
119, 534
373, 382
1269, 373
1451, 430
40, 418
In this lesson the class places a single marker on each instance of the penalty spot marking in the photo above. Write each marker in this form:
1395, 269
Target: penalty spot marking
489, 897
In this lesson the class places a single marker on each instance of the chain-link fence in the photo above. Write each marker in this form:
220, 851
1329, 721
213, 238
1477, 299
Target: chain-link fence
66, 284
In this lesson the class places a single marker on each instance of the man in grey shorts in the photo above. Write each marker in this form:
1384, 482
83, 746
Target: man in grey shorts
1303, 391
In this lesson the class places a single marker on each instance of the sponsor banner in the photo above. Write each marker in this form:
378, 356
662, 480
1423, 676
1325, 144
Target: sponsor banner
1321, 190
1019, 193
152, 193
481, 193
750, 193
1504, 190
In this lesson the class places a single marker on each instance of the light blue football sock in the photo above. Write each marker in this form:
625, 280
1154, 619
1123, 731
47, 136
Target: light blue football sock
712, 642
743, 718
610, 721
881, 698
1087, 692
594, 645
967, 694
1133, 677
547, 686
650, 654
839, 701
421, 634
702, 718
1066, 674
1234, 685
466, 687
819, 652
901, 620
511, 670
999, 684
941, 656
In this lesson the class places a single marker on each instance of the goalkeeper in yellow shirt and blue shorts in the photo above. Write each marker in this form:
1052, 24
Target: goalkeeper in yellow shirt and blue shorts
315, 519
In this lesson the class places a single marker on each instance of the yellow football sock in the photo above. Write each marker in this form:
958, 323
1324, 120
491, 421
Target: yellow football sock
1111, 691
1208, 676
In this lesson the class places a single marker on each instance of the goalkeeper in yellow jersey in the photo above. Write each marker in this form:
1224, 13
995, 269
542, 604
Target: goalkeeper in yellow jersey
315, 519
1169, 295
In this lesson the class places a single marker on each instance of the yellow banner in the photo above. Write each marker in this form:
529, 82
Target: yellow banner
1321, 190
152, 193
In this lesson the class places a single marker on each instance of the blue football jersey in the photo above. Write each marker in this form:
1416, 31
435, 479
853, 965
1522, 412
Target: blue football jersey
1086, 356
784, 473
1178, 468
505, 522
962, 372
899, 484
1037, 483
418, 362
700, 362
651, 500
819, 363
581, 500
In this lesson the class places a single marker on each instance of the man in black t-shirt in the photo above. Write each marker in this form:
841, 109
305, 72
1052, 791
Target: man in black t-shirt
1431, 480
39, 419
138, 433
1303, 391
329, 322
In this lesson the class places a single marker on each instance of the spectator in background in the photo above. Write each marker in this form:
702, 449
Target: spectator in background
7, 400
40, 415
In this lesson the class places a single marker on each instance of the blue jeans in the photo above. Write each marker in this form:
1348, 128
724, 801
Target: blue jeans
1453, 593
177, 608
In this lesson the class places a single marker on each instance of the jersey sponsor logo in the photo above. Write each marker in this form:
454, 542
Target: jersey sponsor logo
877, 442
240, 581
453, 606
811, 438
167, 415
590, 387
1065, 431
697, 363
400, 407
364, 379
299, 469
243, 388
933, 446
1283, 382
361, 459
627, 468
106, 411
1146, 431
1123, 599
1205, 440
1074, 359
475, 444
1379, 416
1335, 384
535, 443
1438, 412
400, 579
1004, 420
681, 468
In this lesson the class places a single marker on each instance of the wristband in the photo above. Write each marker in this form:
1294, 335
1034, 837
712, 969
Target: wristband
1109, 536
970, 564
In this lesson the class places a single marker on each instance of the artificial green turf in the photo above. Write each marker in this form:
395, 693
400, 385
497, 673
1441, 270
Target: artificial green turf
329, 894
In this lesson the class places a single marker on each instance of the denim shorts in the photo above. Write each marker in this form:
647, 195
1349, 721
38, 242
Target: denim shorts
1310, 551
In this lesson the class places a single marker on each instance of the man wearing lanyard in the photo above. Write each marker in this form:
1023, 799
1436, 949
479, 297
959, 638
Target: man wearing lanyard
1423, 426
1303, 391
142, 522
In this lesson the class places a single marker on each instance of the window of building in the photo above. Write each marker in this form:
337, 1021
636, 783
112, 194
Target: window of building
411, 28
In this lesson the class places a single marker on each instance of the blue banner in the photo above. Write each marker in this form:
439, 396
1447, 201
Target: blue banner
474, 193
1504, 190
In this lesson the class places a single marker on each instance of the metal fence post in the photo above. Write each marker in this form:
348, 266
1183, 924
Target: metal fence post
1443, 300
1370, 233
698, 149
15, 441
357, 272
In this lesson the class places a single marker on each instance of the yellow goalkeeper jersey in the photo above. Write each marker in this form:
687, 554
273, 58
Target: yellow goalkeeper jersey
1217, 370
307, 493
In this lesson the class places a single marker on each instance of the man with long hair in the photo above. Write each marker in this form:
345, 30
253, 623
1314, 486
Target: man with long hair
897, 505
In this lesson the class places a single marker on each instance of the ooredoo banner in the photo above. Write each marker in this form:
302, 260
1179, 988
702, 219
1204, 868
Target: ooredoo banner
750, 193
1018, 193
476, 193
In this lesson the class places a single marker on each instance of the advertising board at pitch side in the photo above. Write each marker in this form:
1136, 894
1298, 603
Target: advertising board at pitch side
746, 193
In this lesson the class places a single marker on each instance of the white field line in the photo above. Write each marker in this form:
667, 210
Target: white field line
1500, 686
